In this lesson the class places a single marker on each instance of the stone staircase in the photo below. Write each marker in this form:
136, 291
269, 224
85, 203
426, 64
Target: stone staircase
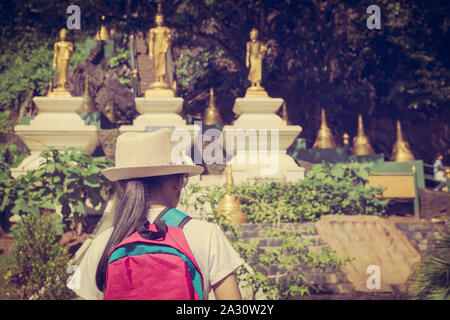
143, 64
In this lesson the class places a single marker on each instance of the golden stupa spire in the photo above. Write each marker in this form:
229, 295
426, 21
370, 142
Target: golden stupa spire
361, 144
211, 115
230, 205
103, 33
325, 137
88, 104
401, 151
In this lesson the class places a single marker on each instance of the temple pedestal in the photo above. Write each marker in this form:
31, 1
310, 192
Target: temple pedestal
57, 125
258, 140
156, 112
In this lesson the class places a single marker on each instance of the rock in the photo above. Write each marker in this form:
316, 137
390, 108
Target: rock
434, 204
104, 86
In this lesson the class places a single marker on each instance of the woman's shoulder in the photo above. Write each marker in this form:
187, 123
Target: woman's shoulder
203, 227
102, 238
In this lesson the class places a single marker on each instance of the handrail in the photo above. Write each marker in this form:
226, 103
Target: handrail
133, 66
391, 173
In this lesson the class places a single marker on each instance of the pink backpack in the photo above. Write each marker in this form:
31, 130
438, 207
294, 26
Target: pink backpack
155, 263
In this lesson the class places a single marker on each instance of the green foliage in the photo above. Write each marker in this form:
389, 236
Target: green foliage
40, 262
267, 202
192, 67
431, 278
79, 55
5, 122
69, 179
9, 158
326, 189
24, 67
119, 59
291, 257
339, 189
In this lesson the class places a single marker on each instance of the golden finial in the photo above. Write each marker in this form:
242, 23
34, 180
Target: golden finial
88, 104
361, 144
346, 139
212, 114
229, 174
325, 137
401, 151
230, 205
103, 33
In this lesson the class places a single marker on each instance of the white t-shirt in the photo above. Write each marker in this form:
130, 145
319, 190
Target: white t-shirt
215, 257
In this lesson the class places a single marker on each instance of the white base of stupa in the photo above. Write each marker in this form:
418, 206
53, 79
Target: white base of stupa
258, 141
279, 166
57, 125
156, 112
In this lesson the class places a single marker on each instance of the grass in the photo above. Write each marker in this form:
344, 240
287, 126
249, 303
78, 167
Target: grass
6, 291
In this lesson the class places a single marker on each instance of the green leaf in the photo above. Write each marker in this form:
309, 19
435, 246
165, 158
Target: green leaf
78, 207
48, 205
50, 168
92, 181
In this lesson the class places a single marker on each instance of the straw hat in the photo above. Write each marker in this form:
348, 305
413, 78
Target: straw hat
148, 154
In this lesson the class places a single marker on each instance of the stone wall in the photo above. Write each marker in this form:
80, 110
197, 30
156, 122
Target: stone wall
327, 283
424, 235
434, 204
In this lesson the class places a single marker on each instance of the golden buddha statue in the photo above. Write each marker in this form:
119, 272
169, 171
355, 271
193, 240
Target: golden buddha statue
256, 51
230, 205
159, 44
325, 137
63, 51
361, 144
212, 115
401, 151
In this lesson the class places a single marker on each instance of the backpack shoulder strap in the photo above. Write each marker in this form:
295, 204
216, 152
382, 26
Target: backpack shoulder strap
173, 217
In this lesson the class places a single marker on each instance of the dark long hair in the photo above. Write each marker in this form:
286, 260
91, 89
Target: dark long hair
132, 210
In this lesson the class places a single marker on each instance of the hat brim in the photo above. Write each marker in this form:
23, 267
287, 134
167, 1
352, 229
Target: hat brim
114, 174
